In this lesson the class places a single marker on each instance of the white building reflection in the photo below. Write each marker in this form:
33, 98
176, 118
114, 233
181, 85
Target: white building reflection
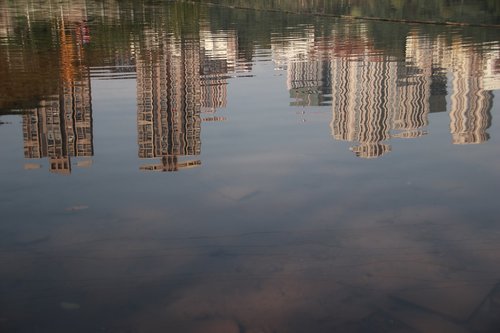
376, 98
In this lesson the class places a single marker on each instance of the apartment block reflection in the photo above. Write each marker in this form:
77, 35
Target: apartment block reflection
413, 92
305, 59
168, 97
309, 83
177, 81
470, 114
213, 84
219, 57
361, 98
376, 97
61, 126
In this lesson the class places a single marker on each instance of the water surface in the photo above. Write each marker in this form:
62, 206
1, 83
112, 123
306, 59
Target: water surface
173, 166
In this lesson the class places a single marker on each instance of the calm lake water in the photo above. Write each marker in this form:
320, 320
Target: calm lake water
180, 167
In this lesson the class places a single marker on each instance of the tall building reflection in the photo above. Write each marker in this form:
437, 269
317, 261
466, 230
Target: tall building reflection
61, 126
168, 114
377, 93
360, 102
470, 114
410, 114
365, 90
376, 98
218, 58
177, 83
309, 82
308, 67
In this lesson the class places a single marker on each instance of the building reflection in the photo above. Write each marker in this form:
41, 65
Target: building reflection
376, 95
359, 106
413, 89
177, 83
376, 98
307, 66
309, 82
218, 58
168, 108
61, 126
470, 114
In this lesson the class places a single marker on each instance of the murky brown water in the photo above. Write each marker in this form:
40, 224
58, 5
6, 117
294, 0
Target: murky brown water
188, 168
